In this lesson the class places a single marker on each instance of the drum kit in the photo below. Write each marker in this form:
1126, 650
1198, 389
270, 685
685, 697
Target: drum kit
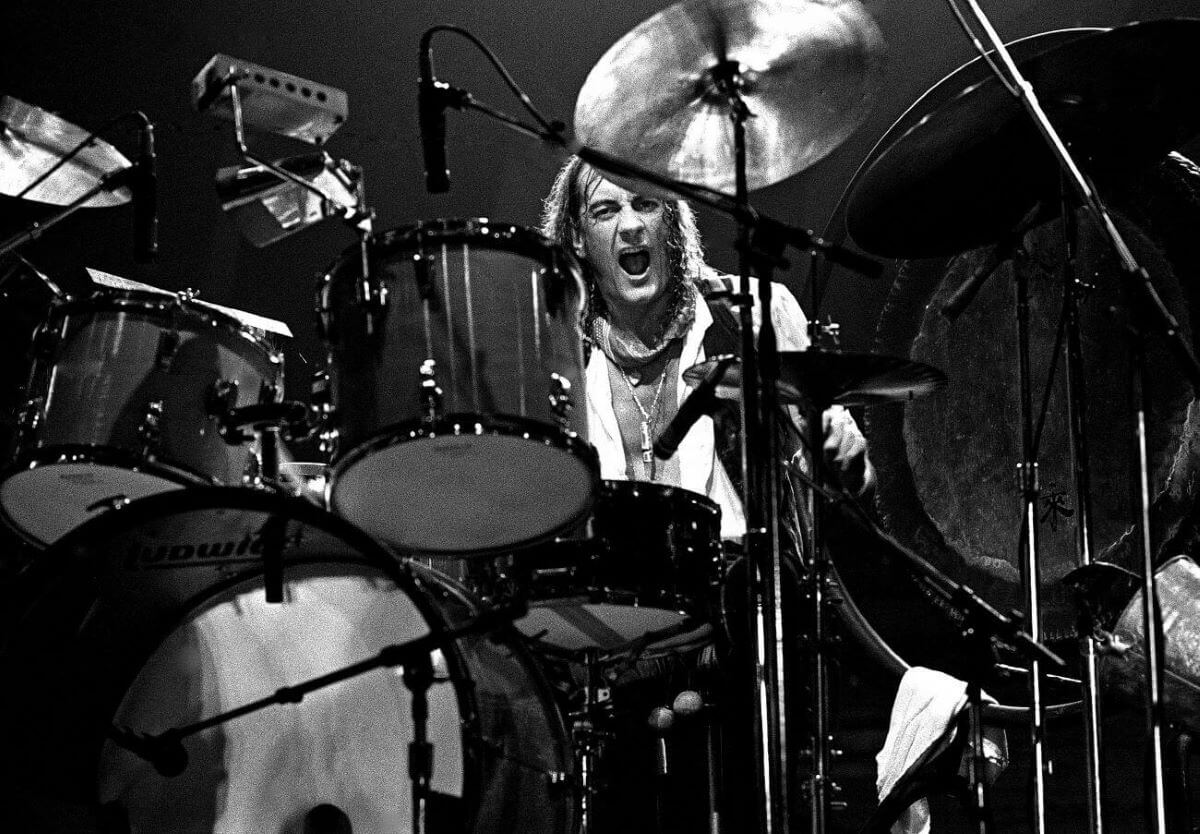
461, 615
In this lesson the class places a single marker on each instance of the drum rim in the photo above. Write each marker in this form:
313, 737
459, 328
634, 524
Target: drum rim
139, 300
93, 453
669, 492
503, 235
463, 424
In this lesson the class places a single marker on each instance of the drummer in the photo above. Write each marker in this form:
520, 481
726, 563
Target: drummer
654, 309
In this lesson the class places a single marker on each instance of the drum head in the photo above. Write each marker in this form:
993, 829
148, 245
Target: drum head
154, 617
480, 486
44, 503
947, 463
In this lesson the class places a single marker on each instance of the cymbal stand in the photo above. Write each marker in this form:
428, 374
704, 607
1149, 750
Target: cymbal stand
760, 457
587, 738
1027, 474
1073, 289
1150, 305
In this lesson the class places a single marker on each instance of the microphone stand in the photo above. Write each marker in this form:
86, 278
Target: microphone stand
1138, 280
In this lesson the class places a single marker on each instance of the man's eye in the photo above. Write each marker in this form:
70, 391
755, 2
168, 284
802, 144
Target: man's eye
602, 212
646, 205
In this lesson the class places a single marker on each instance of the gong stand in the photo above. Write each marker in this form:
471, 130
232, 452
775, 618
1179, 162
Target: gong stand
1164, 323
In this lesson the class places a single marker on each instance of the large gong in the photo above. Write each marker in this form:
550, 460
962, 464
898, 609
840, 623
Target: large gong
947, 464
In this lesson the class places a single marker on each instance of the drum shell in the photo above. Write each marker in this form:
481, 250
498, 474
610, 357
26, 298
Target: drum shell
648, 573
102, 362
499, 316
102, 601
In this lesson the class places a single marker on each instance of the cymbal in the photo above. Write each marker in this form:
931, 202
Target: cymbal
972, 167
32, 140
823, 378
808, 72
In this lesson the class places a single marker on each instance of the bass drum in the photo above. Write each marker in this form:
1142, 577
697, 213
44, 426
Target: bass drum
154, 617
946, 464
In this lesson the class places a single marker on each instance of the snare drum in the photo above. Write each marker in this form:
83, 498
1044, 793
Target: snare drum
459, 398
645, 580
154, 617
124, 391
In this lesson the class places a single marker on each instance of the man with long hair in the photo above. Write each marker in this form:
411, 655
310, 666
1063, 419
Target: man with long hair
654, 309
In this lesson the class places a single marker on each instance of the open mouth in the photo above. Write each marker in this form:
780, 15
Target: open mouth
634, 261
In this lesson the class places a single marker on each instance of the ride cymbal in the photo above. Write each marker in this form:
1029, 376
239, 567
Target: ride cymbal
807, 72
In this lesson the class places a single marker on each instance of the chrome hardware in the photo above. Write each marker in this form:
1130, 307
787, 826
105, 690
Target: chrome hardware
150, 430
109, 503
561, 401
29, 418
431, 392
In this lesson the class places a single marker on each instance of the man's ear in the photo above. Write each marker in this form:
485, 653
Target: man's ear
577, 245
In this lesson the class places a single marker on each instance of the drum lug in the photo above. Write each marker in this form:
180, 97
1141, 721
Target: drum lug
431, 392
30, 417
561, 401
221, 397
324, 413
168, 346
423, 272
150, 430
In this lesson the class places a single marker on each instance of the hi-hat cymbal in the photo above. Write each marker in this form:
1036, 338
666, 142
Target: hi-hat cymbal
807, 71
973, 166
32, 140
823, 378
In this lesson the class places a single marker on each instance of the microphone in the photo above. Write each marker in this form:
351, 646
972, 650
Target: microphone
431, 114
700, 402
661, 720
433, 97
145, 199
164, 752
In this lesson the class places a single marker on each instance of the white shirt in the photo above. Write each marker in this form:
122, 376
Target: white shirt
699, 468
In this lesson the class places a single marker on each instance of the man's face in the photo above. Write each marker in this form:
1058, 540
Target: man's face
624, 239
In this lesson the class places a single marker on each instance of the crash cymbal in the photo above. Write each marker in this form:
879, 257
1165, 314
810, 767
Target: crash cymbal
973, 166
831, 377
32, 140
808, 72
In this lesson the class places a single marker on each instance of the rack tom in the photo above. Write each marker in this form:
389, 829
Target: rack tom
456, 378
124, 395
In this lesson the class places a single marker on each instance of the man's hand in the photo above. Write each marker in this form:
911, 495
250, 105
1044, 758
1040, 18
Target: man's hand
845, 451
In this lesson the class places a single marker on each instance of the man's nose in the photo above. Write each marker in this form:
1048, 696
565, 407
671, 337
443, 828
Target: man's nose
630, 225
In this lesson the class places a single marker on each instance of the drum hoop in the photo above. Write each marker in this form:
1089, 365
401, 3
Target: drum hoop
506, 237
655, 491
135, 301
